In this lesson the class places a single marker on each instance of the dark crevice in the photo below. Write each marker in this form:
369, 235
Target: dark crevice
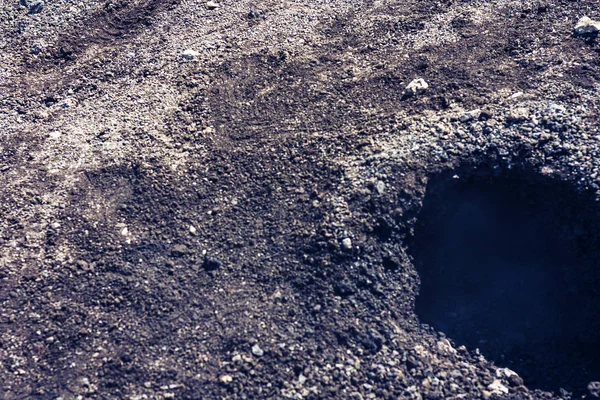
509, 264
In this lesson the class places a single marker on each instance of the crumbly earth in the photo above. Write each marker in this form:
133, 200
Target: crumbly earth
235, 223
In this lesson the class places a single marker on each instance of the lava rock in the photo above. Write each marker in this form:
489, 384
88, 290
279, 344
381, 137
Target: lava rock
211, 264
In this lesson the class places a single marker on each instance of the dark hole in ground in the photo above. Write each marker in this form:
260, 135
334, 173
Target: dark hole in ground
509, 264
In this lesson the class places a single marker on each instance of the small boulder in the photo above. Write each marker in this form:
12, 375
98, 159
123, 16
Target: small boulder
416, 87
586, 28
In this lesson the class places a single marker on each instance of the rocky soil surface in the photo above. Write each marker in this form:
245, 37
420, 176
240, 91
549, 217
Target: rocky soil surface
215, 200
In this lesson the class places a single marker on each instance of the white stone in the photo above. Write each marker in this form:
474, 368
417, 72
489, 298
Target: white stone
190, 54
211, 5
416, 87
505, 373
586, 27
257, 351
193, 229
380, 187
497, 387
226, 379
55, 134
347, 244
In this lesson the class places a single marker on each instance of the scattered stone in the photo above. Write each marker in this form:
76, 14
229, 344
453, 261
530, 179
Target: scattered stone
416, 87
594, 389
179, 250
55, 134
497, 388
190, 54
193, 229
226, 379
469, 115
586, 27
347, 244
211, 5
257, 351
211, 264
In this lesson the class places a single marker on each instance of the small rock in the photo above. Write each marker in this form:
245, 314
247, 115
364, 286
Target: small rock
485, 114
511, 376
515, 380
226, 379
301, 379
517, 115
179, 250
36, 7
416, 87
257, 351
470, 115
237, 358
211, 264
190, 54
211, 5
594, 389
193, 229
586, 27
380, 187
497, 388
347, 244
55, 134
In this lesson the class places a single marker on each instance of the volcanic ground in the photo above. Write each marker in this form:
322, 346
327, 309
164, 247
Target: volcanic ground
243, 200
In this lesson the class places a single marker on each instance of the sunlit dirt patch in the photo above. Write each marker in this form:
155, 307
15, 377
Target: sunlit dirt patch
509, 264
